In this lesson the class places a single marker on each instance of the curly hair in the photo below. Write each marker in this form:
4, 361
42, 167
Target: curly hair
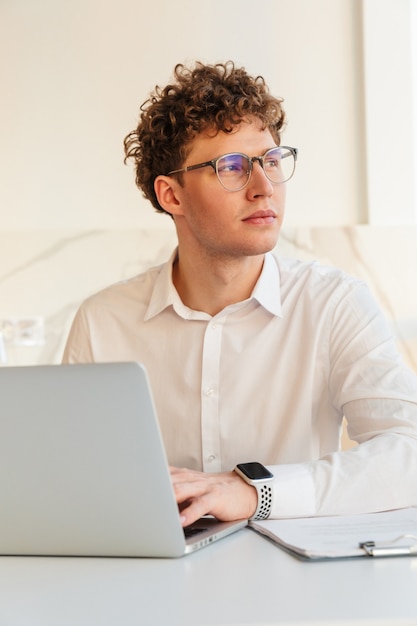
216, 97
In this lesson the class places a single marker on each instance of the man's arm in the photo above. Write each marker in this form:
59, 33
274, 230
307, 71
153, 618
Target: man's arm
377, 475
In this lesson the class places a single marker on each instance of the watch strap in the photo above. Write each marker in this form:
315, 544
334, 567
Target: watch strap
264, 506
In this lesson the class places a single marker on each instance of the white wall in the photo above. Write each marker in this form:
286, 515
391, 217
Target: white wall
73, 74
390, 96
413, 46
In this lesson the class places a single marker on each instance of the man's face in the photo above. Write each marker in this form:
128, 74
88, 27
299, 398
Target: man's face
221, 223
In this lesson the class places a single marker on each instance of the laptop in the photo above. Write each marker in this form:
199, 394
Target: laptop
83, 470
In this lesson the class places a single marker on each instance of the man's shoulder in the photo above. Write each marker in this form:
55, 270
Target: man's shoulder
312, 270
312, 276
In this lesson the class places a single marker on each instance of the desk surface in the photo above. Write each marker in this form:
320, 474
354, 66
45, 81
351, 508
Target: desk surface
243, 579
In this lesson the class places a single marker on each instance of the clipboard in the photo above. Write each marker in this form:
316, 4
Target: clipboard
394, 533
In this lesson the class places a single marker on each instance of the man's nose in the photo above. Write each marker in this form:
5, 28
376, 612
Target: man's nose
258, 175
259, 164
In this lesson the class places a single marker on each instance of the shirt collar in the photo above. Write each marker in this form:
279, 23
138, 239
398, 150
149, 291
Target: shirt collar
164, 294
267, 289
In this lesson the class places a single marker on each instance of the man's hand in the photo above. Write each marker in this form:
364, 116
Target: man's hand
224, 495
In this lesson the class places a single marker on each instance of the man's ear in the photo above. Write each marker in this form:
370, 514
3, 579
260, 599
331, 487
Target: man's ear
166, 190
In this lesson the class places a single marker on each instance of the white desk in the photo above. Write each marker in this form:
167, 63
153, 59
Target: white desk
243, 579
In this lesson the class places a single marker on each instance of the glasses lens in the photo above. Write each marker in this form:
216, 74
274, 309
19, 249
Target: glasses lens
279, 164
233, 171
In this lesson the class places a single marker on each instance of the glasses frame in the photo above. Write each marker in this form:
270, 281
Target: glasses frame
260, 159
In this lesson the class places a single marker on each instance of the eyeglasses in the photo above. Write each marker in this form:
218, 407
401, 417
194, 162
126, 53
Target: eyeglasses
234, 170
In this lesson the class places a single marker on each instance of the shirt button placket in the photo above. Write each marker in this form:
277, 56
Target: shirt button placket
210, 381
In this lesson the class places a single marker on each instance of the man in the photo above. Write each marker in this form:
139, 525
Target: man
251, 358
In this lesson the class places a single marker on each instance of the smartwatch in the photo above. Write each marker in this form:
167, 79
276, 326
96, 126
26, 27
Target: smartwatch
260, 477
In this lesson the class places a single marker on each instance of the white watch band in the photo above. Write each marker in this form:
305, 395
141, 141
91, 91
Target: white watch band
260, 477
264, 506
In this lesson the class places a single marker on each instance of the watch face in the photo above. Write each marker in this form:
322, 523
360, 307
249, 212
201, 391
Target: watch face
254, 470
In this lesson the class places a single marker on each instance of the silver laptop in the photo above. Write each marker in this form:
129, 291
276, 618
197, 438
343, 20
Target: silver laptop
83, 470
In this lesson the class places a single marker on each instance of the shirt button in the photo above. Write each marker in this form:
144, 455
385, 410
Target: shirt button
212, 457
209, 392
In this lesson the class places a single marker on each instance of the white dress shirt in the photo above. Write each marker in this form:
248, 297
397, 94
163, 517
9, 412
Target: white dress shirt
269, 379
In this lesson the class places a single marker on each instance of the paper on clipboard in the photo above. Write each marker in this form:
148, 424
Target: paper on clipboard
391, 533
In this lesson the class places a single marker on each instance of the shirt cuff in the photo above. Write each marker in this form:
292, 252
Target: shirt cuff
293, 491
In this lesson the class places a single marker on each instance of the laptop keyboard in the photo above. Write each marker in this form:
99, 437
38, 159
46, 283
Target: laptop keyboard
192, 531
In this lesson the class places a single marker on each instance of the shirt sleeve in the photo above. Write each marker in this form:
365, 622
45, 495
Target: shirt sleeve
377, 394
78, 347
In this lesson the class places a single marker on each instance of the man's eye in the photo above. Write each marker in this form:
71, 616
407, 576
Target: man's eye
272, 164
231, 165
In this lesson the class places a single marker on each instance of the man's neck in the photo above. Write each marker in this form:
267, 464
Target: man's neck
210, 285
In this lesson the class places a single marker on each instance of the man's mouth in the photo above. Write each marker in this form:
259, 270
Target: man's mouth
261, 217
